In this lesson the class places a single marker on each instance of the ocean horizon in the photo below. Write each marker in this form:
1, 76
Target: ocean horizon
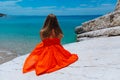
20, 34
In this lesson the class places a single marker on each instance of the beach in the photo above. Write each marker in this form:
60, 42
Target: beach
98, 54
98, 60
6, 56
91, 29
98, 50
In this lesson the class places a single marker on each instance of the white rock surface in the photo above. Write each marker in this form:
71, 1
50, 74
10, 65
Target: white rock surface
114, 31
99, 59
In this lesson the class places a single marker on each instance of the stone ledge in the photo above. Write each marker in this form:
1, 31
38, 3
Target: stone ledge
114, 31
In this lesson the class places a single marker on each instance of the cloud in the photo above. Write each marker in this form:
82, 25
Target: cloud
46, 7
107, 4
7, 4
11, 7
83, 5
103, 9
93, 0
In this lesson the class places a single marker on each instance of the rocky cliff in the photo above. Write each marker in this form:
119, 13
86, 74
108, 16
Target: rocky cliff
106, 21
118, 6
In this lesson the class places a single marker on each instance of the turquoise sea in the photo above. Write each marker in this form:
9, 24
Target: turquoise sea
20, 34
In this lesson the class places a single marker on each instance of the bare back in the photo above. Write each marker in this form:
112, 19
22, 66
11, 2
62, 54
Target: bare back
52, 35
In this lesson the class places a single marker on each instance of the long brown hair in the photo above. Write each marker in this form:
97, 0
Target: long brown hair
51, 23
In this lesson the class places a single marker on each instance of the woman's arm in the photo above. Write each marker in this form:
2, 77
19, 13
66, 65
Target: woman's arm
41, 36
60, 36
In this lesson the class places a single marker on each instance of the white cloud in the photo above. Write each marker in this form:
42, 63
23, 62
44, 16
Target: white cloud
83, 5
46, 7
93, 0
107, 4
12, 8
92, 10
8, 4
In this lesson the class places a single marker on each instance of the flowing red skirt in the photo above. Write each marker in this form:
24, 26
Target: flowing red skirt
48, 56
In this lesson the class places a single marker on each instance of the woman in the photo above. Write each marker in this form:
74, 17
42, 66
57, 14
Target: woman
49, 55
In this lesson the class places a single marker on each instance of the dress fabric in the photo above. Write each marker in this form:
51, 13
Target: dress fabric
48, 56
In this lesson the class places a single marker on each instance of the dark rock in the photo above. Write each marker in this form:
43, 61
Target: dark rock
1, 14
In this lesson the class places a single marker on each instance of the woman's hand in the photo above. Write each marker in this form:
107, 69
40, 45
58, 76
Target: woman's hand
60, 36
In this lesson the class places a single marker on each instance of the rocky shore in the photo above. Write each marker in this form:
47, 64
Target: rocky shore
107, 32
107, 21
6, 56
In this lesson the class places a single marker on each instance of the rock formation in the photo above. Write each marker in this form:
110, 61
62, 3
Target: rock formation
118, 6
113, 31
1, 14
106, 21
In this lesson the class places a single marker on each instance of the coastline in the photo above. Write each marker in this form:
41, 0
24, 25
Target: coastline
98, 48
6, 56
15, 36
98, 59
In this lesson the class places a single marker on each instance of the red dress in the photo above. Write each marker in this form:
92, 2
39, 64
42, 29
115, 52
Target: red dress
48, 56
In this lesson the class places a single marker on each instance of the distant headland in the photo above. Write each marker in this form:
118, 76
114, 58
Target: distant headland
1, 15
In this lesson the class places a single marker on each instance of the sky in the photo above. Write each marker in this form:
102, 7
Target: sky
58, 7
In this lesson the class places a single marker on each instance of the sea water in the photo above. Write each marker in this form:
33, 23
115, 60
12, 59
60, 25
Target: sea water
20, 34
